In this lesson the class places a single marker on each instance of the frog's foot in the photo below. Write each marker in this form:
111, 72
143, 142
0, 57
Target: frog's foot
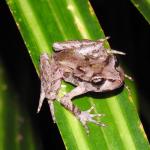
86, 117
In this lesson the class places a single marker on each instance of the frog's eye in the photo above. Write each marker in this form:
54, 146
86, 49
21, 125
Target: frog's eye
97, 79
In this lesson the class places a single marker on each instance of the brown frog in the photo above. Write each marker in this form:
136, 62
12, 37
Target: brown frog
86, 64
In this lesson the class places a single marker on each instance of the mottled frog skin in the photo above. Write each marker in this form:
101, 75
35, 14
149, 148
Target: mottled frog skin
86, 64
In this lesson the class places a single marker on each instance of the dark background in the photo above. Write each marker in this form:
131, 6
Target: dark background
129, 32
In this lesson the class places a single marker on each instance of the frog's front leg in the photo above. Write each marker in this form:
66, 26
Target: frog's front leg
83, 116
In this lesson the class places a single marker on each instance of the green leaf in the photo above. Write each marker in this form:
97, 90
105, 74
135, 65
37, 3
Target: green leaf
43, 23
16, 132
144, 7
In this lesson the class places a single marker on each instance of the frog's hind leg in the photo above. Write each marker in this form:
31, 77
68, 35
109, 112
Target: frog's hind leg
75, 44
50, 75
50, 102
72, 44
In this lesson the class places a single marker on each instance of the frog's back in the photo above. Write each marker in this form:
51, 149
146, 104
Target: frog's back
67, 58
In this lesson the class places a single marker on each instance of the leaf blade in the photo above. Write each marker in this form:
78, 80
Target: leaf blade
143, 7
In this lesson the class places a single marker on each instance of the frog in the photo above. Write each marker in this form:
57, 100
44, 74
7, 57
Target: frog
86, 64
